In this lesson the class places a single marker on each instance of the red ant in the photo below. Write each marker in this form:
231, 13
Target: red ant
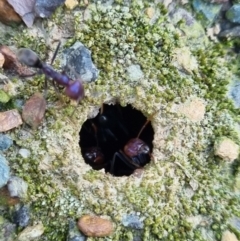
135, 154
73, 88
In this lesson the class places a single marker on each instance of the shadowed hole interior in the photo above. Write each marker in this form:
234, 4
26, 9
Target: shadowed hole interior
102, 138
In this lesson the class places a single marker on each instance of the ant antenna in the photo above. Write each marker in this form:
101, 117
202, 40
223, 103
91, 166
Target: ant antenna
140, 132
145, 124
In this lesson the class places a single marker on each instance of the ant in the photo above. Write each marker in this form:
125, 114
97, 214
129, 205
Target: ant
106, 129
101, 141
93, 155
73, 88
135, 154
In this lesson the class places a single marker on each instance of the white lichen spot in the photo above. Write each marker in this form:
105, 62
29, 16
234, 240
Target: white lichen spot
193, 109
183, 58
229, 236
226, 149
135, 73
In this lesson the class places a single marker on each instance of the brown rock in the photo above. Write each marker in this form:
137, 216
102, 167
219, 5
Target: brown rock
7, 14
11, 62
94, 226
34, 110
9, 120
6, 199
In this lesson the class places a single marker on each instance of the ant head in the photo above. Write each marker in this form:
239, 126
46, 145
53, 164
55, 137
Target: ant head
29, 58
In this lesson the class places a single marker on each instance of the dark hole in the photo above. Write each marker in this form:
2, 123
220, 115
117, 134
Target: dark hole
102, 140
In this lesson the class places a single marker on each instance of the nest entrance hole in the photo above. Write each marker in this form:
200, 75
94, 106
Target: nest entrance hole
102, 139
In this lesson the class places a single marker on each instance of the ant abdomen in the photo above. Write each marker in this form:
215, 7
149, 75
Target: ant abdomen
29, 58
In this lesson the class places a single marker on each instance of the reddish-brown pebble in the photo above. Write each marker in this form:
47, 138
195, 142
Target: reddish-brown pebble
11, 62
34, 110
6, 199
7, 13
9, 120
93, 226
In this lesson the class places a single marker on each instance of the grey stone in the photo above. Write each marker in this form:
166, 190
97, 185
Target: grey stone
17, 187
44, 8
132, 221
5, 142
25, 153
78, 63
233, 14
21, 216
4, 171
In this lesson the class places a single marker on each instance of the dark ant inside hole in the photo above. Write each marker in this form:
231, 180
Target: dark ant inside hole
106, 140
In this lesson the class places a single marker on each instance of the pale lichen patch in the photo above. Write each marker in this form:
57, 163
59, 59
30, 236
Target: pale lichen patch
183, 58
226, 149
193, 109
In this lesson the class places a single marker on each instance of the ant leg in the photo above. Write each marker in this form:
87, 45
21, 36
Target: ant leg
45, 88
116, 154
124, 159
78, 100
128, 161
55, 53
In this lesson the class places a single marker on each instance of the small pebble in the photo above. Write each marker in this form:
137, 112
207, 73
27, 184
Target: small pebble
71, 4
17, 187
226, 149
21, 216
150, 12
93, 226
132, 221
25, 153
31, 233
9, 120
4, 171
34, 110
5, 142
44, 9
